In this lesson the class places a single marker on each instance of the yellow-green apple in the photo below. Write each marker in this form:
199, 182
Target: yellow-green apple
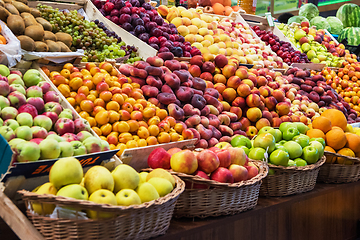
78, 148
294, 149
45, 209
105, 146
159, 158
102, 196
240, 141
291, 163
208, 161
15, 79
17, 99
142, 177
15, 141
159, 172
184, 161
53, 107
32, 77
24, 132
92, 144
162, 185
66, 149
7, 133
66, 171
222, 175
237, 156
43, 121
98, 177
39, 132
49, 149
301, 127
27, 152
318, 146
239, 172
266, 141
66, 113
24, 119
302, 139
252, 171
257, 153
52, 115
34, 91
4, 102
73, 191
300, 162
83, 135
223, 145
125, 177
279, 157
9, 113
127, 197
147, 192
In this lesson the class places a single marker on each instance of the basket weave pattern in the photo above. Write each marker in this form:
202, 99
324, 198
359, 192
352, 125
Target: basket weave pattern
290, 180
220, 198
143, 221
338, 173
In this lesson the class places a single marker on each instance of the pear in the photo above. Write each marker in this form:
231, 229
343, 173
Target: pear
98, 177
162, 185
46, 188
66, 171
161, 173
125, 177
147, 192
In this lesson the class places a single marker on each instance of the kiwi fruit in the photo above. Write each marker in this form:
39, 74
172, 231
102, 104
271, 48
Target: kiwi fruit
16, 24
36, 13
26, 43
2, 3
53, 46
63, 47
41, 47
49, 36
46, 25
21, 7
36, 32
65, 38
11, 8
28, 19
4, 14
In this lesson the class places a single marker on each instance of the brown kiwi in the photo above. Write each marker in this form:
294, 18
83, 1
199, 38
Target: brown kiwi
65, 38
46, 25
41, 47
4, 14
21, 7
49, 36
16, 24
36, 13
2, 3
36, 32
11, 8
53, 46
26, 43
28, 19
63, 46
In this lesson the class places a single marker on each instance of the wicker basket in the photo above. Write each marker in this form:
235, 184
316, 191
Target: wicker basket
143, 221
219, 198
339, 173
290, 180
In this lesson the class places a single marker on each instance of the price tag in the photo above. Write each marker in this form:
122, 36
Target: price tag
269, 19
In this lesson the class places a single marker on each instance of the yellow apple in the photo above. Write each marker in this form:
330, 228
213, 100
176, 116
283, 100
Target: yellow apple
143, 176
102, 196
98, 177
147, 192
46, 188
125, 177
161, 173
66, 171
127, 197
162, 185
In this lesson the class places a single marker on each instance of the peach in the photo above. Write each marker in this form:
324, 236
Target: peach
187, 134
206, 76
265, 91
226, 106
221, 61
172, 65
208, 67
204, 133
229, 94
195, 70
226, 131
270, 103
155, 61
166, 89
220, 87
241, 73
150, 91
212, 92
228, 71
262, 122
233, 82
183, 75
224, 119
175, 111
235, 126
243, 90
140, 73
248, 82
166, 98
285, 118
283, 108
277, 121
214, 120
279, 95
198, 101
253, 100
154, 81
239, 102
124, 115
233, 117
189, 110
202, 144
184, 94
253, 114
154, 121
251, 132
197, 60
193, 121
219, 78
199, 84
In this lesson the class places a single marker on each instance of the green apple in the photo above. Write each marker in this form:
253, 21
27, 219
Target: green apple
284, 125
32, 77
305, 47
12, 123
282, 142
127, 197
291, 163
55, 137
147, 192
301, 127
279, 157
281, 147
98, 177
46, 188
300, 162
161, 173
66, 171
162, 185
294, 149
266, 141
310, 154
257, 153
241, 141
299, 33
318, 146
125, 177
290, 133
265, 129
311, 54
25, 119
321, 140
27, 152
277, 134
143, 176
15, 141
302, 139
24, 132
73, 191
246, 149
102, 196
66, 149
49, 148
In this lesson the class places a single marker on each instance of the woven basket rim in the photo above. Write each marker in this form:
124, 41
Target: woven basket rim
300, 168
263, 171
355, 160
86, 204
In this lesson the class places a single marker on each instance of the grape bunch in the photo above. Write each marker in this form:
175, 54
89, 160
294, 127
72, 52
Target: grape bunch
98, 44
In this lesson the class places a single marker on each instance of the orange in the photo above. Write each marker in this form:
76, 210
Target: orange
315, 133
322, 123
336, 117
330, 158
346, 152
336, 138
353, 142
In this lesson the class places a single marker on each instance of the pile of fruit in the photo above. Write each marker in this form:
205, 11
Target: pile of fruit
143, 21
34, 123
222, 163
123, 186
339, 136
218, 7
115, 107
226, 36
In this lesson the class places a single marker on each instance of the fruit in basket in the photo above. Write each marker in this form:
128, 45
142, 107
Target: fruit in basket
125, 177
184, 161
318, 146
147, 192
294, 149
66, 171
161, 173
98, 177
162, 185
266, 141
208, 161
46, 188
240, 173
73, 191
222, 175
336, 138
279, 157
310, 154
102, 196
127, 197
346, 152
